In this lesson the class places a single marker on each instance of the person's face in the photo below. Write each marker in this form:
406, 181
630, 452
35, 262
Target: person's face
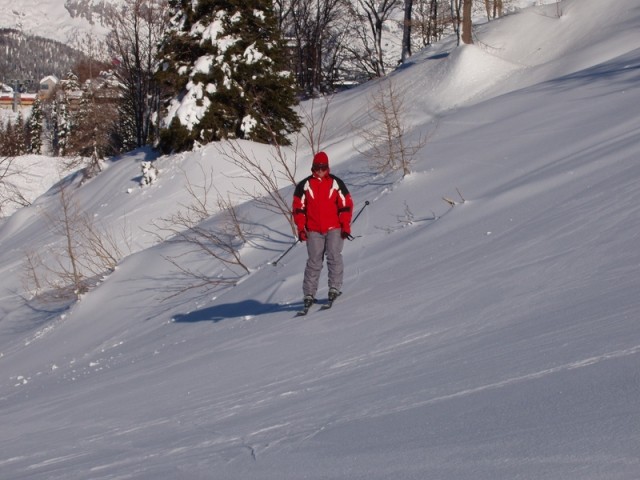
320, 170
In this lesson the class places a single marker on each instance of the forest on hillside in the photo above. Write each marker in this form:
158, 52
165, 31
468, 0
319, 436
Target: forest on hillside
26, 59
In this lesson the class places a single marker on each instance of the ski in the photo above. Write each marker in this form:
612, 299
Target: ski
303, 312
332, 298
326, 306
308, 302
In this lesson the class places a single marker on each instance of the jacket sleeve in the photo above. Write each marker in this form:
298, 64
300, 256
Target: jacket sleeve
345, 207
299, 209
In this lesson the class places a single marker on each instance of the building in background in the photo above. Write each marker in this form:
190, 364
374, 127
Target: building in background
48, 86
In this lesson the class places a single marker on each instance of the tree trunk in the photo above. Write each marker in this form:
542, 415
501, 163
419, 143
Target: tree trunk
406, 31
466, 22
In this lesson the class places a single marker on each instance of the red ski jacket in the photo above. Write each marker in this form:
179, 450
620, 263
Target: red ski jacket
322, 204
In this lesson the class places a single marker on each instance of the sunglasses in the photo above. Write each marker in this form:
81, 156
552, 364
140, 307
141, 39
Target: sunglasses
315, 168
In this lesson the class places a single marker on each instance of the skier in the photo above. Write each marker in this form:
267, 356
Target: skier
322, 209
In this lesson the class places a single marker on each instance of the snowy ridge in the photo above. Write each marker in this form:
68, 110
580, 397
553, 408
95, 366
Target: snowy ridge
492, 340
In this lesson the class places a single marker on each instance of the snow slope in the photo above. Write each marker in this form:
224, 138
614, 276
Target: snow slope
497, 339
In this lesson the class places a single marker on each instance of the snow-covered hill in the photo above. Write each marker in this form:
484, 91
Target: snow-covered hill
497, 339
63, 20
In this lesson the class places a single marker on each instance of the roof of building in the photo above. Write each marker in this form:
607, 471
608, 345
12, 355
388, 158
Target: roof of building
52, 78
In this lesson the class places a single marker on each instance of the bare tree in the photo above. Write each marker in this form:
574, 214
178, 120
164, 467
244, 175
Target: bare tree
431, 19
494, 8
315, 28
87, 251
62, 270
94, 57
67, 227
137, 29
315, 122
385, 135
456, 16
10, 193
283, 10
370, 17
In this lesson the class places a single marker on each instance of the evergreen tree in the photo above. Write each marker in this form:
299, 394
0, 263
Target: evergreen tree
35, 127
70, 83
61, 126
63, 121
125, 130
20, 132
6, 134
12, 139
225, 59
80, 137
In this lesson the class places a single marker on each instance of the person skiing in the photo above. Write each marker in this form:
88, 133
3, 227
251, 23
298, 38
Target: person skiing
322, 210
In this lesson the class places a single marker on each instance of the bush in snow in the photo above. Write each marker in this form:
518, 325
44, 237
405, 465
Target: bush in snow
149, 173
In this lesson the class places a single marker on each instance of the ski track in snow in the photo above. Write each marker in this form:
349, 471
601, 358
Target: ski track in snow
537, 375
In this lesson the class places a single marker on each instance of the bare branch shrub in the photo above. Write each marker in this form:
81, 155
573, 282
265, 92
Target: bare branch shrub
385, 134
267, 175
66, 224
222, 243
314, 126
105, 248
31, 277
453, 203
408, 219
87, 252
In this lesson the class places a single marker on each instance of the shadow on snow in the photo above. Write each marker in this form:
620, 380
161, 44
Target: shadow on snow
246, 308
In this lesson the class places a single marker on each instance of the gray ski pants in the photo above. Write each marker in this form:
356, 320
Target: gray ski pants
319, 244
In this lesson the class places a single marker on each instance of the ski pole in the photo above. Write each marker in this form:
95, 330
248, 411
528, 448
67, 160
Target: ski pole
358, 214
349, 237
286, 251
298, 241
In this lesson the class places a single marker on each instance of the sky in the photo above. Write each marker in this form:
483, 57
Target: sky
494, 339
